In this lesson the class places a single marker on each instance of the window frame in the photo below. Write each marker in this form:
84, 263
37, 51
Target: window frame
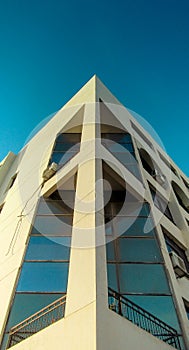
174, 246
72, 150
186, 305
161, 203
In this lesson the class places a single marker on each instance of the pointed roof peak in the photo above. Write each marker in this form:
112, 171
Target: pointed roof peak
92, 91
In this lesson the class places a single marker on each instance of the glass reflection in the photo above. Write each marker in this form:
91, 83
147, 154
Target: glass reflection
43, 277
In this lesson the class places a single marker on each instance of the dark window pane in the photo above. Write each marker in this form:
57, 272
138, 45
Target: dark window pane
187, 309
53, 248
112, 209
138, 250
153, 193
51, 207
49, 225
125, 208
117, 147
145, 211
69, 137
131, 209
57, 157
142, 278
62, 147
43, 277
168, 214
112, 278
117, 137
148, 167
62, 157
67, 196
129, 147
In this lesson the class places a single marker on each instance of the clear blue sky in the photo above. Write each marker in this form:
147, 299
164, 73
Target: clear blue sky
138, 48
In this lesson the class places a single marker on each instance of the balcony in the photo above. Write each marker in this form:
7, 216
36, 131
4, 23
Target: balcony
41, 319
117, 303
143, 319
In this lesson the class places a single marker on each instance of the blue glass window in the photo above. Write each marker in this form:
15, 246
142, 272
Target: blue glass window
67, 145
53, 225
161, 204
25, 305
135, 265
121, 146
138, 250
43, 277
51, 248
142, 278
44, 273
161, 306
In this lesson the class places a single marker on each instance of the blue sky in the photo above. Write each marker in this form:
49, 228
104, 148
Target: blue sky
138, 48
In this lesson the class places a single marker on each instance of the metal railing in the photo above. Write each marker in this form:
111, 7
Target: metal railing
118, 303
41, 319
143, 319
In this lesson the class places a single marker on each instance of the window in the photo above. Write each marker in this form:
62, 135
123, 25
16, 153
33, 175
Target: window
166, 162
183, 200
161, 204
146, 161
135, 265
55, 215
186, 305
151, 167
24, 306
44, 273
121, 146
185, 182
43, 276
139, 132
44, 249
172, 246
67, 145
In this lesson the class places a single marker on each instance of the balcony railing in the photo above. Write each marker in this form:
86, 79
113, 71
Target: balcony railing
143, 319
41, 319
118, 303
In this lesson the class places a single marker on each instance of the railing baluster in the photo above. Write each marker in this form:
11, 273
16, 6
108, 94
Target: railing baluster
144, 319
118, 303
41, 319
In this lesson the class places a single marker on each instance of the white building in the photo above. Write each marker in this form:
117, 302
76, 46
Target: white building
92, 264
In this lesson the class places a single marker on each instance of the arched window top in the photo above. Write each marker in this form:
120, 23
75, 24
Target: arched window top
66, 146
151, 167
147, 161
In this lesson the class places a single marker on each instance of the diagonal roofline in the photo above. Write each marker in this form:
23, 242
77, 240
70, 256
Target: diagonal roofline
92, 91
